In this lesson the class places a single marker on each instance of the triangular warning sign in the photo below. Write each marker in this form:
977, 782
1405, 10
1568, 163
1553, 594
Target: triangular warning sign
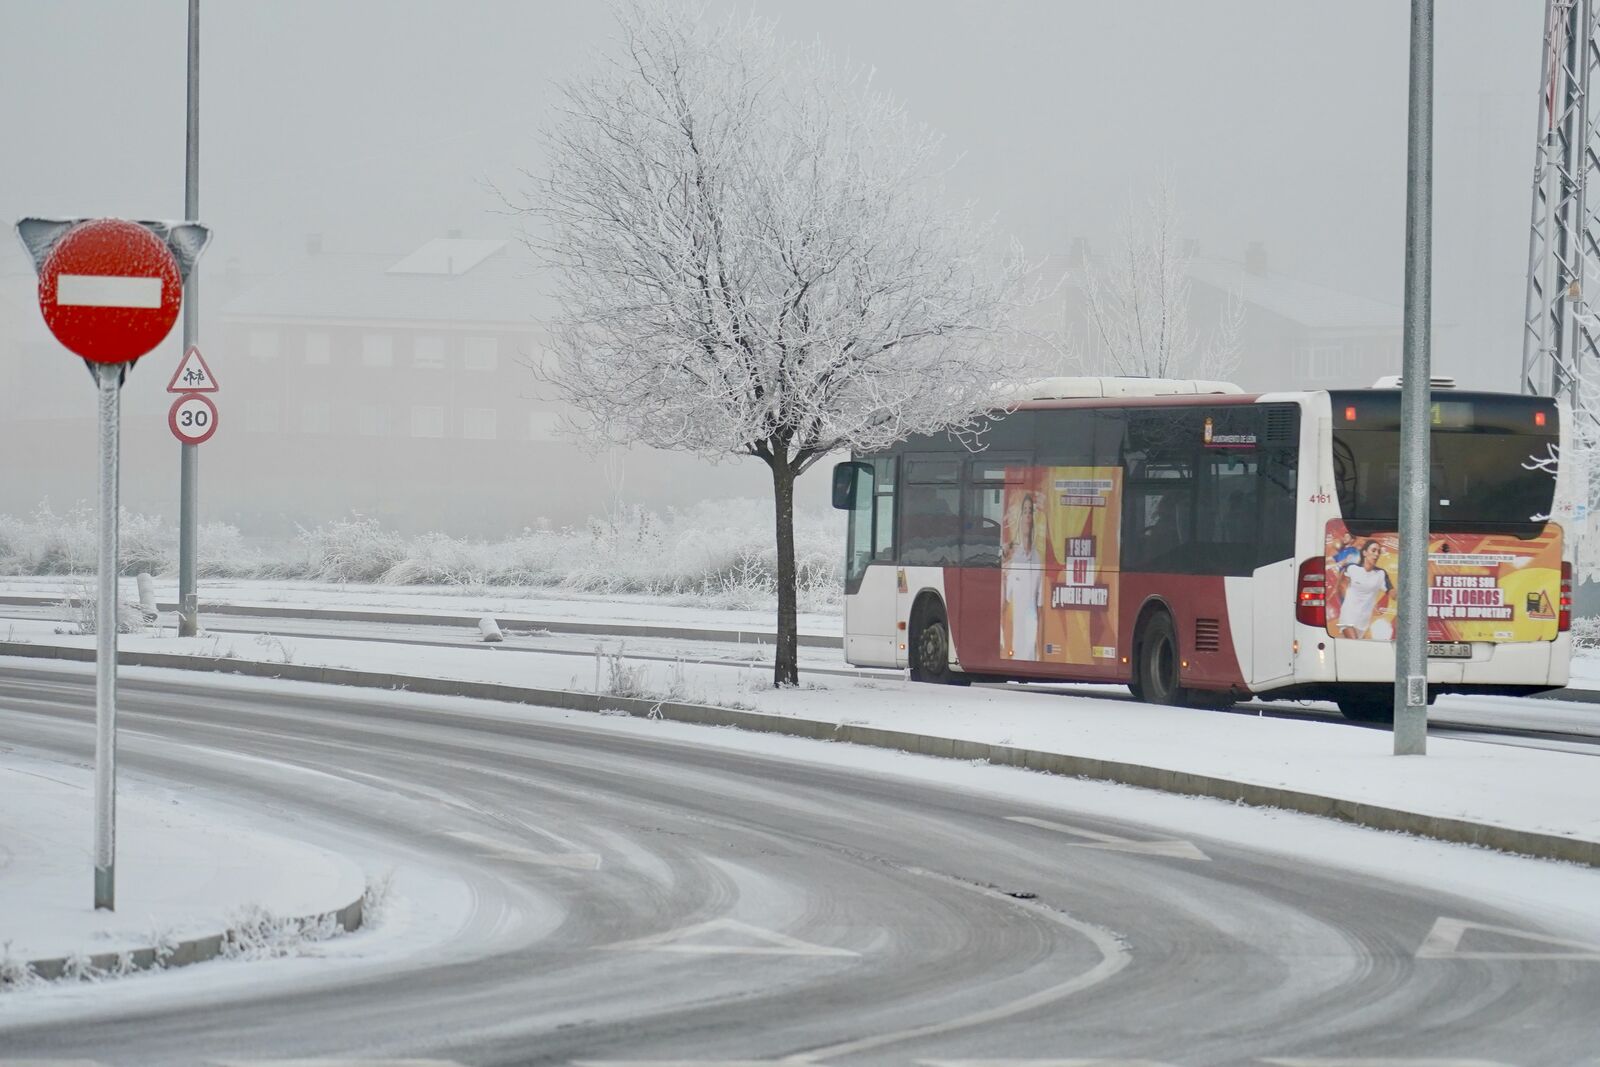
730, 937
192, 375
1498, 943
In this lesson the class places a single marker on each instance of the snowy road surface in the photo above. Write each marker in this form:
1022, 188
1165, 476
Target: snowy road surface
647, 891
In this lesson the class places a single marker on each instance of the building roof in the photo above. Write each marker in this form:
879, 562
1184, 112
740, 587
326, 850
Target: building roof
1315, 306
450, 280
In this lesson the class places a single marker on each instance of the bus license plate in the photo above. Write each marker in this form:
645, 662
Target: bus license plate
1449, 650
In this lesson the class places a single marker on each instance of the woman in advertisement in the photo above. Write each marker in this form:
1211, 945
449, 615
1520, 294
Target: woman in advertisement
1022, 584
1363, 589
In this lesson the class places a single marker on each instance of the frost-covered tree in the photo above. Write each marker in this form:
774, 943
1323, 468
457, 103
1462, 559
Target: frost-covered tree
1137, 303
753, 257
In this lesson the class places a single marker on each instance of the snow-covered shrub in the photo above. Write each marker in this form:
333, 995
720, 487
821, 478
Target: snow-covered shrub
1586, 634
357, 549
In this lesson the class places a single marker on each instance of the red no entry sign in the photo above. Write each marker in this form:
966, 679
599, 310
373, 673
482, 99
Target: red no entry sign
110, 290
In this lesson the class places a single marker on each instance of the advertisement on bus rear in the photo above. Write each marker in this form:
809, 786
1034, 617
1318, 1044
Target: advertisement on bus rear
1481, 587
1059, 559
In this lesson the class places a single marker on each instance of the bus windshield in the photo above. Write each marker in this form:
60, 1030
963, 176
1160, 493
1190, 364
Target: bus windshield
1481, 446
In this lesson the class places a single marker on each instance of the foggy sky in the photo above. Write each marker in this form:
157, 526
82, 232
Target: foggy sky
377, 124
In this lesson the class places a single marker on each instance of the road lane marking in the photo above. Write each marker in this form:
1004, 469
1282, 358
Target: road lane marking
1172, 849
1044, 1063
1380, 1061
394, 1061
757, 942
1444, 943
1114, 956
581, 861
107, 291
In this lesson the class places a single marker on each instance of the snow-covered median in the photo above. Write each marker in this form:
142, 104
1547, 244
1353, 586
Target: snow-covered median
185, 870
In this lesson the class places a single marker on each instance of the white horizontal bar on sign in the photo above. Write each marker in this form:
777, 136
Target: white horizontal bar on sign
107, 291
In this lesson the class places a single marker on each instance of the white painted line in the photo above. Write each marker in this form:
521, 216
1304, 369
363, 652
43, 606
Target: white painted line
1379, 1061
1042, 1063
1444, 943
1113, 958
683, 1063
336, 1063
755, 941
580, 861
1173, 849
50, 1063
107, 291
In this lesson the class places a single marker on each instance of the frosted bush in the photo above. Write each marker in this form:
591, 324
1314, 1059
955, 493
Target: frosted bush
1586, 634
717, 553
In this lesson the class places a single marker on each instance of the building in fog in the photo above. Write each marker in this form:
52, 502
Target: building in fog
404, 387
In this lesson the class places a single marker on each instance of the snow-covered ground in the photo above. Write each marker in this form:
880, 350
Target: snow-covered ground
184, 870
1528, 789
45, 911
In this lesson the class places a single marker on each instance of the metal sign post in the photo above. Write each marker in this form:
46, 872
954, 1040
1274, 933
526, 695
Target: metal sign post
189, 461
1411, 637
109, 290
109, 377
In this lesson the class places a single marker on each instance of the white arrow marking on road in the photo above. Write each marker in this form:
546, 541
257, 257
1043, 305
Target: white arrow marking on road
1178, 850
1380, 1061
1444, 943
582, 861
107, 291
767, 942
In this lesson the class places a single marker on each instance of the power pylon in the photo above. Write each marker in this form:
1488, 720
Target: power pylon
1561, 334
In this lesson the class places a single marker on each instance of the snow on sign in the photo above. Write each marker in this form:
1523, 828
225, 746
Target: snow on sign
192, 375
109, 290
193, 418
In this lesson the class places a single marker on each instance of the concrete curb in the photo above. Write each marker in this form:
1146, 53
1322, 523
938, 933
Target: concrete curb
194, 950
1459, 831
399, 618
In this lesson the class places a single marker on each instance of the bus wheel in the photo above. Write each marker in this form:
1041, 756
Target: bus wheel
1367, 709
930, 650
1157, 668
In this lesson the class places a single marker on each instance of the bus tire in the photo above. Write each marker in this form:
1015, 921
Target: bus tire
1156, 671
930, 649
1367, 709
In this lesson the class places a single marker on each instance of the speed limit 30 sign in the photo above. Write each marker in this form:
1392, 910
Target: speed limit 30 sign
193, 418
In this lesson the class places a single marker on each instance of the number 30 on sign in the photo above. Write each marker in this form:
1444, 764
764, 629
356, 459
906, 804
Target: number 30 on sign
193, 418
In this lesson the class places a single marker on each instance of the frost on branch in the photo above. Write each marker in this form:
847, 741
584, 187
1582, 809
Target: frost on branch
1137, 304
753, 256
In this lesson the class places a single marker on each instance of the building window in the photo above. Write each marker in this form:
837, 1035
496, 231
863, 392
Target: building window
482, 353
478, 424
372, 421
428, 353
264, 344
377, 350
316, 417
542, 425
427, 421
318, 350
261, 416
1321, 362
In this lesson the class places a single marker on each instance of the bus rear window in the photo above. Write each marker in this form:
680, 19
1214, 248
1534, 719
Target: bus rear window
1480, 450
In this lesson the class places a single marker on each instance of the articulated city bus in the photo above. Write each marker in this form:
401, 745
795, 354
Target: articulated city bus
1201, 545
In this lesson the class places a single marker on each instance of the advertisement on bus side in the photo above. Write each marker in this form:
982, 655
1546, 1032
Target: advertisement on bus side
1060, 554
1488, 587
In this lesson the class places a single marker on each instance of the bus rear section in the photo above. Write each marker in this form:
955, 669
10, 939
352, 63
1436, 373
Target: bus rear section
1499, 562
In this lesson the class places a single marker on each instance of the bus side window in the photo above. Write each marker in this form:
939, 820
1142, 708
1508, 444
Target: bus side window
883, 504
858, 552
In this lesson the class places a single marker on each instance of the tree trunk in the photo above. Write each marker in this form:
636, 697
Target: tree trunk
786, 664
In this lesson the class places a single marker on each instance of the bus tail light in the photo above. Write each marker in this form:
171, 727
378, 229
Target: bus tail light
1311, 599
1566, 599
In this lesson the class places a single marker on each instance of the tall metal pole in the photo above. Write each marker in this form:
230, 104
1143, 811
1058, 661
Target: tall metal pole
1411, 652
109, 377
189, 466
